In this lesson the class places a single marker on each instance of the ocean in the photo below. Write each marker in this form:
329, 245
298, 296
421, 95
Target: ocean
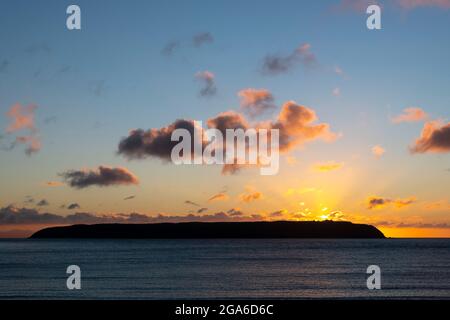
225, 269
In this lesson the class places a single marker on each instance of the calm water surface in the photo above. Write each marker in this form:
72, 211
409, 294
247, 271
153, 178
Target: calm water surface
222, 269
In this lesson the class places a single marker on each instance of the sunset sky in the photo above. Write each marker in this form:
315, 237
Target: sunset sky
374, 149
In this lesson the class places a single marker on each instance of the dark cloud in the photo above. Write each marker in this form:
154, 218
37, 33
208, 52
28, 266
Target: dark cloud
73, 206
375, 202
435, 138
235, 212
43, 203
102, 176
202, 38
11, 215
129, 198
170, 48
278, 64
209, 88
201, 210
192, 203
154, 142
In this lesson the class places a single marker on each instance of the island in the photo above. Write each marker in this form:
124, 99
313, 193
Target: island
215, 230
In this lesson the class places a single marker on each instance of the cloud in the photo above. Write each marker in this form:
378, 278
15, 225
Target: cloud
43, 203
336, 92
192, 203
249, 197
129, 198
254, 102
435, 138
170, 48
4, 65
209, 88
73, 206
102, 176
219, 197
53, 184
21, 118
235, 212
375, 202
338, 70
33, 144
412, 114
378, 151
413, 4
296, 125
12, 215
328, 166
201, 210
155, 142
202, 38
278, 64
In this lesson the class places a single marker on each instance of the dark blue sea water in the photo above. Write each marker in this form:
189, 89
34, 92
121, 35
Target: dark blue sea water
222, 269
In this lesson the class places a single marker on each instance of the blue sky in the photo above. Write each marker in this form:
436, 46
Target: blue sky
92, 86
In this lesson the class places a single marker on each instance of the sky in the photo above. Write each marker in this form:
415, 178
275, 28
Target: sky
372, 147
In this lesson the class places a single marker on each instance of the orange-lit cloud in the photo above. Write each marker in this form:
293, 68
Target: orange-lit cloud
412, 114
209, 85
378, 151
53, 184
435, 138
254, 102
328, 166
21, 118
219, 197
375, 202
249, 197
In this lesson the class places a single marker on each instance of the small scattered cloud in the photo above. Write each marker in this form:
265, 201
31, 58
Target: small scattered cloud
219, 197
336, 92
102, 176
73, 206
201, 210
192, 203
235, 212
207, 78
170, 48
43, 203
327, 166
201, 39
252, 196
378, 151
435, 138
375, 202
53, 184
23, 118
255, 102
129, 198
412, 114
277, 64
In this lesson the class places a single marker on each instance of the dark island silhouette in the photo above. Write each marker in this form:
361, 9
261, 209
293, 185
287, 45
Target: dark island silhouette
211, 230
